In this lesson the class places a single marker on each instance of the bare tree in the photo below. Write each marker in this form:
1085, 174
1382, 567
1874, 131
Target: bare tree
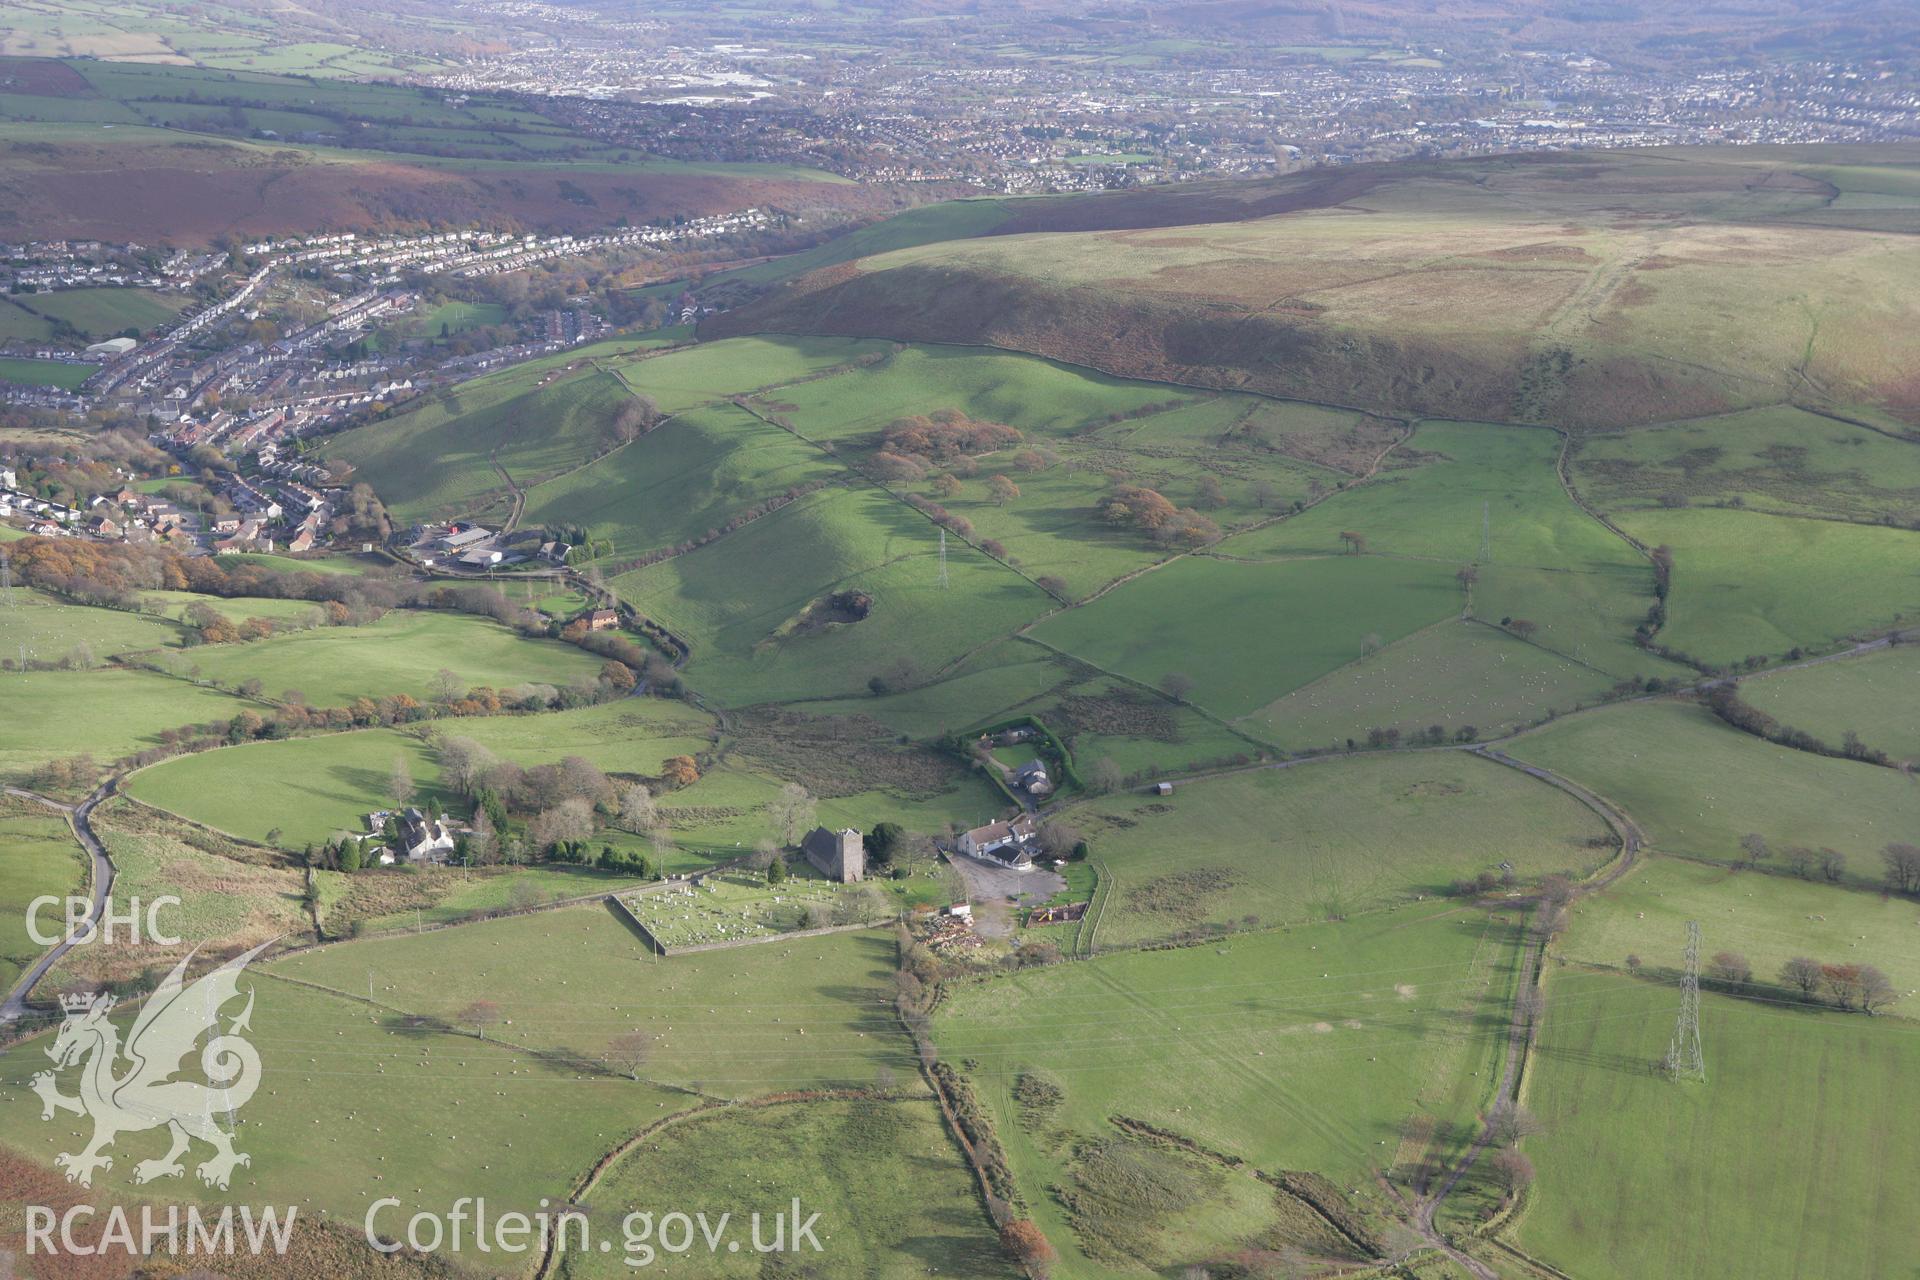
630, 1051
1513, 1171
445, 686
1512, 1122
1105, 775
1833, 865
1875, 989
478, 1016
638, 813
1903, 867
1753, 848
1730, 968
1177, 685
1802, 974
400, 782
463, 762
1800, 860
483, 845
792, 812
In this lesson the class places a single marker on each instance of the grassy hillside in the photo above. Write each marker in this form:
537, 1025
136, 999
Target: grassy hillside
1787, 1141
1746, 583
1325, 840
1697, 785
1505, 288
755, 605
1294, 621
1343, 1048
43, 860
1872, 697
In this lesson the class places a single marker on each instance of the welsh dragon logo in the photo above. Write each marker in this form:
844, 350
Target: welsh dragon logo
131, 1088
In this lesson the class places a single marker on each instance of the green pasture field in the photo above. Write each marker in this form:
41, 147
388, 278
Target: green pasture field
106, 713
1341, 1049
439, 459
1780, 459
311, 787
1249, 632
1038, 396
893, 1192
1326, 839
1589, 617
1140, 731
711, 371
795, 1013
307, 788
631, 736
1873, 696
1698, 785
174, 605
46, 373
455, 895
1789, 1140
726, 811
987, 686
349, 563
1455, 674
36, 107
1768, 918
108, 312
1746, 583
1486, 480
743, 602
398, 654
42, 859
1053, 526
17, 322
452, 318
356, 1104
50, 628
680, 481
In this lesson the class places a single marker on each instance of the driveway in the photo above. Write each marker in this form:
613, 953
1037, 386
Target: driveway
991, 884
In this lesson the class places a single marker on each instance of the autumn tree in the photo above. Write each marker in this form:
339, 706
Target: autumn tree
1001, 490
1029, 1246
679, 771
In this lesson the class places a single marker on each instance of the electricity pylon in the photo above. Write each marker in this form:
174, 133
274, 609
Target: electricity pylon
1684, 1059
